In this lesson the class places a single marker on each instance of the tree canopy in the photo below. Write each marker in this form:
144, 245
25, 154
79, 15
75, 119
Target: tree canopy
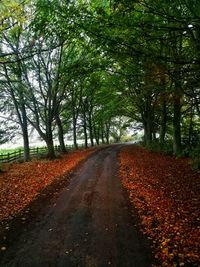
93, 68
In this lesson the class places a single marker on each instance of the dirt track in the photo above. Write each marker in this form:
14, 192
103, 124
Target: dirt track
89, 224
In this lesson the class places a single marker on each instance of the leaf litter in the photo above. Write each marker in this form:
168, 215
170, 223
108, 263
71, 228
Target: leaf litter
21, 183
166, 194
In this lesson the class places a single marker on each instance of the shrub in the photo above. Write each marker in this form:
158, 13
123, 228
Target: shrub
165, 148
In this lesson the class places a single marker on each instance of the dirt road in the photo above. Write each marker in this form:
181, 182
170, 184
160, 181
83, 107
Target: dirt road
89, 224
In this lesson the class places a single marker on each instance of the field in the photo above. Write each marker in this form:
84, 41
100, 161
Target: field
10, 150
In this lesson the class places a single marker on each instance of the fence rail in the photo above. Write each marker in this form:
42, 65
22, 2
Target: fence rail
18, 155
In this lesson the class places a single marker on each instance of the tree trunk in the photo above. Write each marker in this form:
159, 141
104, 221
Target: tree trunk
149, 131
102, 133
107, 132
85, 129
49, 142
90, 129
147, 122
26, 144
145, 131
50, 148
163, 124
24, 127
21, 112
74, 132
107, 138
190, 130
97, 139
96, 133
177, 120
60, 134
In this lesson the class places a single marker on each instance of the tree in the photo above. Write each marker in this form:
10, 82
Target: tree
13, 41
89, 63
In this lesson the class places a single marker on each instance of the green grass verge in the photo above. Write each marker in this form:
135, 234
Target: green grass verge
9, 150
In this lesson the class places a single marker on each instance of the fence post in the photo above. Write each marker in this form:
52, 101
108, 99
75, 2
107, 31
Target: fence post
8, 157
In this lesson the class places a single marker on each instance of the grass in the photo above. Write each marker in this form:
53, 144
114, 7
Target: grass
9, 150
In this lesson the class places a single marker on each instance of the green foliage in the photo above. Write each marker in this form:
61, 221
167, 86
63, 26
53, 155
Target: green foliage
126, 138
92, 62
165, 148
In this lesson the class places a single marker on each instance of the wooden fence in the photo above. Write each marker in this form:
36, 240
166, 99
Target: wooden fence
18, 155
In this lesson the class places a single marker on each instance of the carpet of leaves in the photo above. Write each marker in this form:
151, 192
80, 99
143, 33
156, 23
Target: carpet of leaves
22, 182
166, 194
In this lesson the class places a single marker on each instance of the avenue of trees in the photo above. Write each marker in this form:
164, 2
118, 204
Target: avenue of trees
81, 66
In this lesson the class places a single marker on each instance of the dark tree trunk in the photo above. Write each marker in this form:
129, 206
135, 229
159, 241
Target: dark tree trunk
177, 124
147, 130
97, 140
107, 139
49, 141
60, 134
190, 130
74, 132
26, 144
50, 148
96, 133
85, 129
163, 124
102, 133
107, 132
149, 122
90, 129
20, 108
24, 127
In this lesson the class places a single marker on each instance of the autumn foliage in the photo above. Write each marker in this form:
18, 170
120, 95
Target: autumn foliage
166, 193
22, 183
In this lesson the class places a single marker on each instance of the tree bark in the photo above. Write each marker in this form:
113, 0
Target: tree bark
96, 133
163, 124
74, 132
147, 122
177, 119
90, 129
190, 130
25, 139
20, 108
60, 134
85, 129
49, 141
102, 133
107, 132
50, 148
